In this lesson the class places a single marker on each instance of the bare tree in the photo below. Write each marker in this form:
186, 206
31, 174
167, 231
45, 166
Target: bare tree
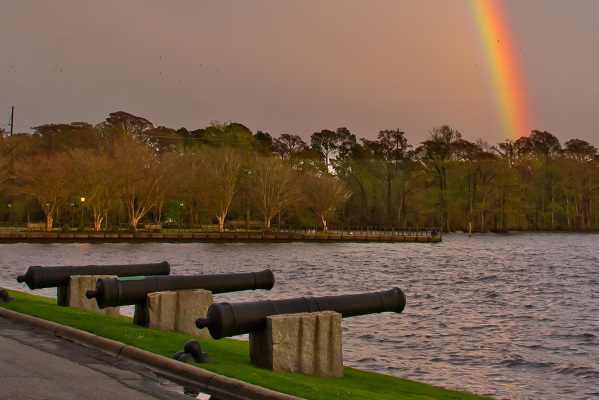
142, 178
96, 179
189, 185
219, 169
273, 187
172, 181
324, 193
46, 180
5, 173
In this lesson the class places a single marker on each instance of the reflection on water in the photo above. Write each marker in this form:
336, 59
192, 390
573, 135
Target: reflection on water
510, 316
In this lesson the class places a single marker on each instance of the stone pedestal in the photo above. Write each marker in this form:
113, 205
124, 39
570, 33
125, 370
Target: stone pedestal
306, 343
74, 294
178, 310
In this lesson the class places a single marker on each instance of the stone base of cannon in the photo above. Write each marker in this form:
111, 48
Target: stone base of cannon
73, 295
306, 343
176, 311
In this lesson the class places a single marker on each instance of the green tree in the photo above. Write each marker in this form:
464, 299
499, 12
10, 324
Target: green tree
323, 142
546, 147
439, 153
63, 137
128, 123
232, 135
390, 162
333, 146
286, 146
163, 139
581, 182
191, 138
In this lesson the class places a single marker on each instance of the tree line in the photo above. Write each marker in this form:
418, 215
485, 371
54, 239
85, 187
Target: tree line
126, 170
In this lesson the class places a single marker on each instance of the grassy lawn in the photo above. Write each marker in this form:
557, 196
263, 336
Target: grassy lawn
231, 357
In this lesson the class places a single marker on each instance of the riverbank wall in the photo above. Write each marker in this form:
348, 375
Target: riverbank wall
147, 236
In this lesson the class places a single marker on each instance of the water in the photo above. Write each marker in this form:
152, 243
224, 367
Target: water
509, 316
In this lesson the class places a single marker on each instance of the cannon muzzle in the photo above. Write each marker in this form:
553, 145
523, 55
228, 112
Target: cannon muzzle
113, 292
38, 277
225, 319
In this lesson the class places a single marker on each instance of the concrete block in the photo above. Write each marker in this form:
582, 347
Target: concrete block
178, 310
75, 294
306, 343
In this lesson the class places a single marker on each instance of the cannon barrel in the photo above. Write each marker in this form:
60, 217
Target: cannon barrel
38, 277
113, 292
225, 319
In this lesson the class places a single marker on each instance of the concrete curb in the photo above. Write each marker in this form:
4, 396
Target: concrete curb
208, 382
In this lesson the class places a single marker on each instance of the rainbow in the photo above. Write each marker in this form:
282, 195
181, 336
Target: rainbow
502, 63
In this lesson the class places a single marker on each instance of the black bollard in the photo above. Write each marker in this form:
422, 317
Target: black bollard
225, 319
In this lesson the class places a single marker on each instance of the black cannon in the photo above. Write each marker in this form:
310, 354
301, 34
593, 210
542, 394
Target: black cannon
225, 319
38, 277
113, 292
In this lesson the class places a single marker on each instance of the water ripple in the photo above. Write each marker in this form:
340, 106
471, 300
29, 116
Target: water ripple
509, 316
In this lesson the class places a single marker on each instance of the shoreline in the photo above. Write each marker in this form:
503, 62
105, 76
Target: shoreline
211, 237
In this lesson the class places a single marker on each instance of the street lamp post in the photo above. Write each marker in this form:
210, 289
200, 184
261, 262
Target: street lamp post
9, 208
82, 203
180, 215
72, 205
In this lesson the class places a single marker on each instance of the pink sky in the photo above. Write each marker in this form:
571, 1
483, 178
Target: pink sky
297, 67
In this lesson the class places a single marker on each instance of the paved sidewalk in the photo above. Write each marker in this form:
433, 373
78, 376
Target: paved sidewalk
193, 378
35, 364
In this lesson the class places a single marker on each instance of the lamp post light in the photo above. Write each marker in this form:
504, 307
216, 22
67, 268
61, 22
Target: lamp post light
72, 205
82, 203
180, 215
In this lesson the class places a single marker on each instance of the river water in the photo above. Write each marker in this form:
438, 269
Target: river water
511, 316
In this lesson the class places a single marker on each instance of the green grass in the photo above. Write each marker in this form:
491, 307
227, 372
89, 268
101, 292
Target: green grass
231, 357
